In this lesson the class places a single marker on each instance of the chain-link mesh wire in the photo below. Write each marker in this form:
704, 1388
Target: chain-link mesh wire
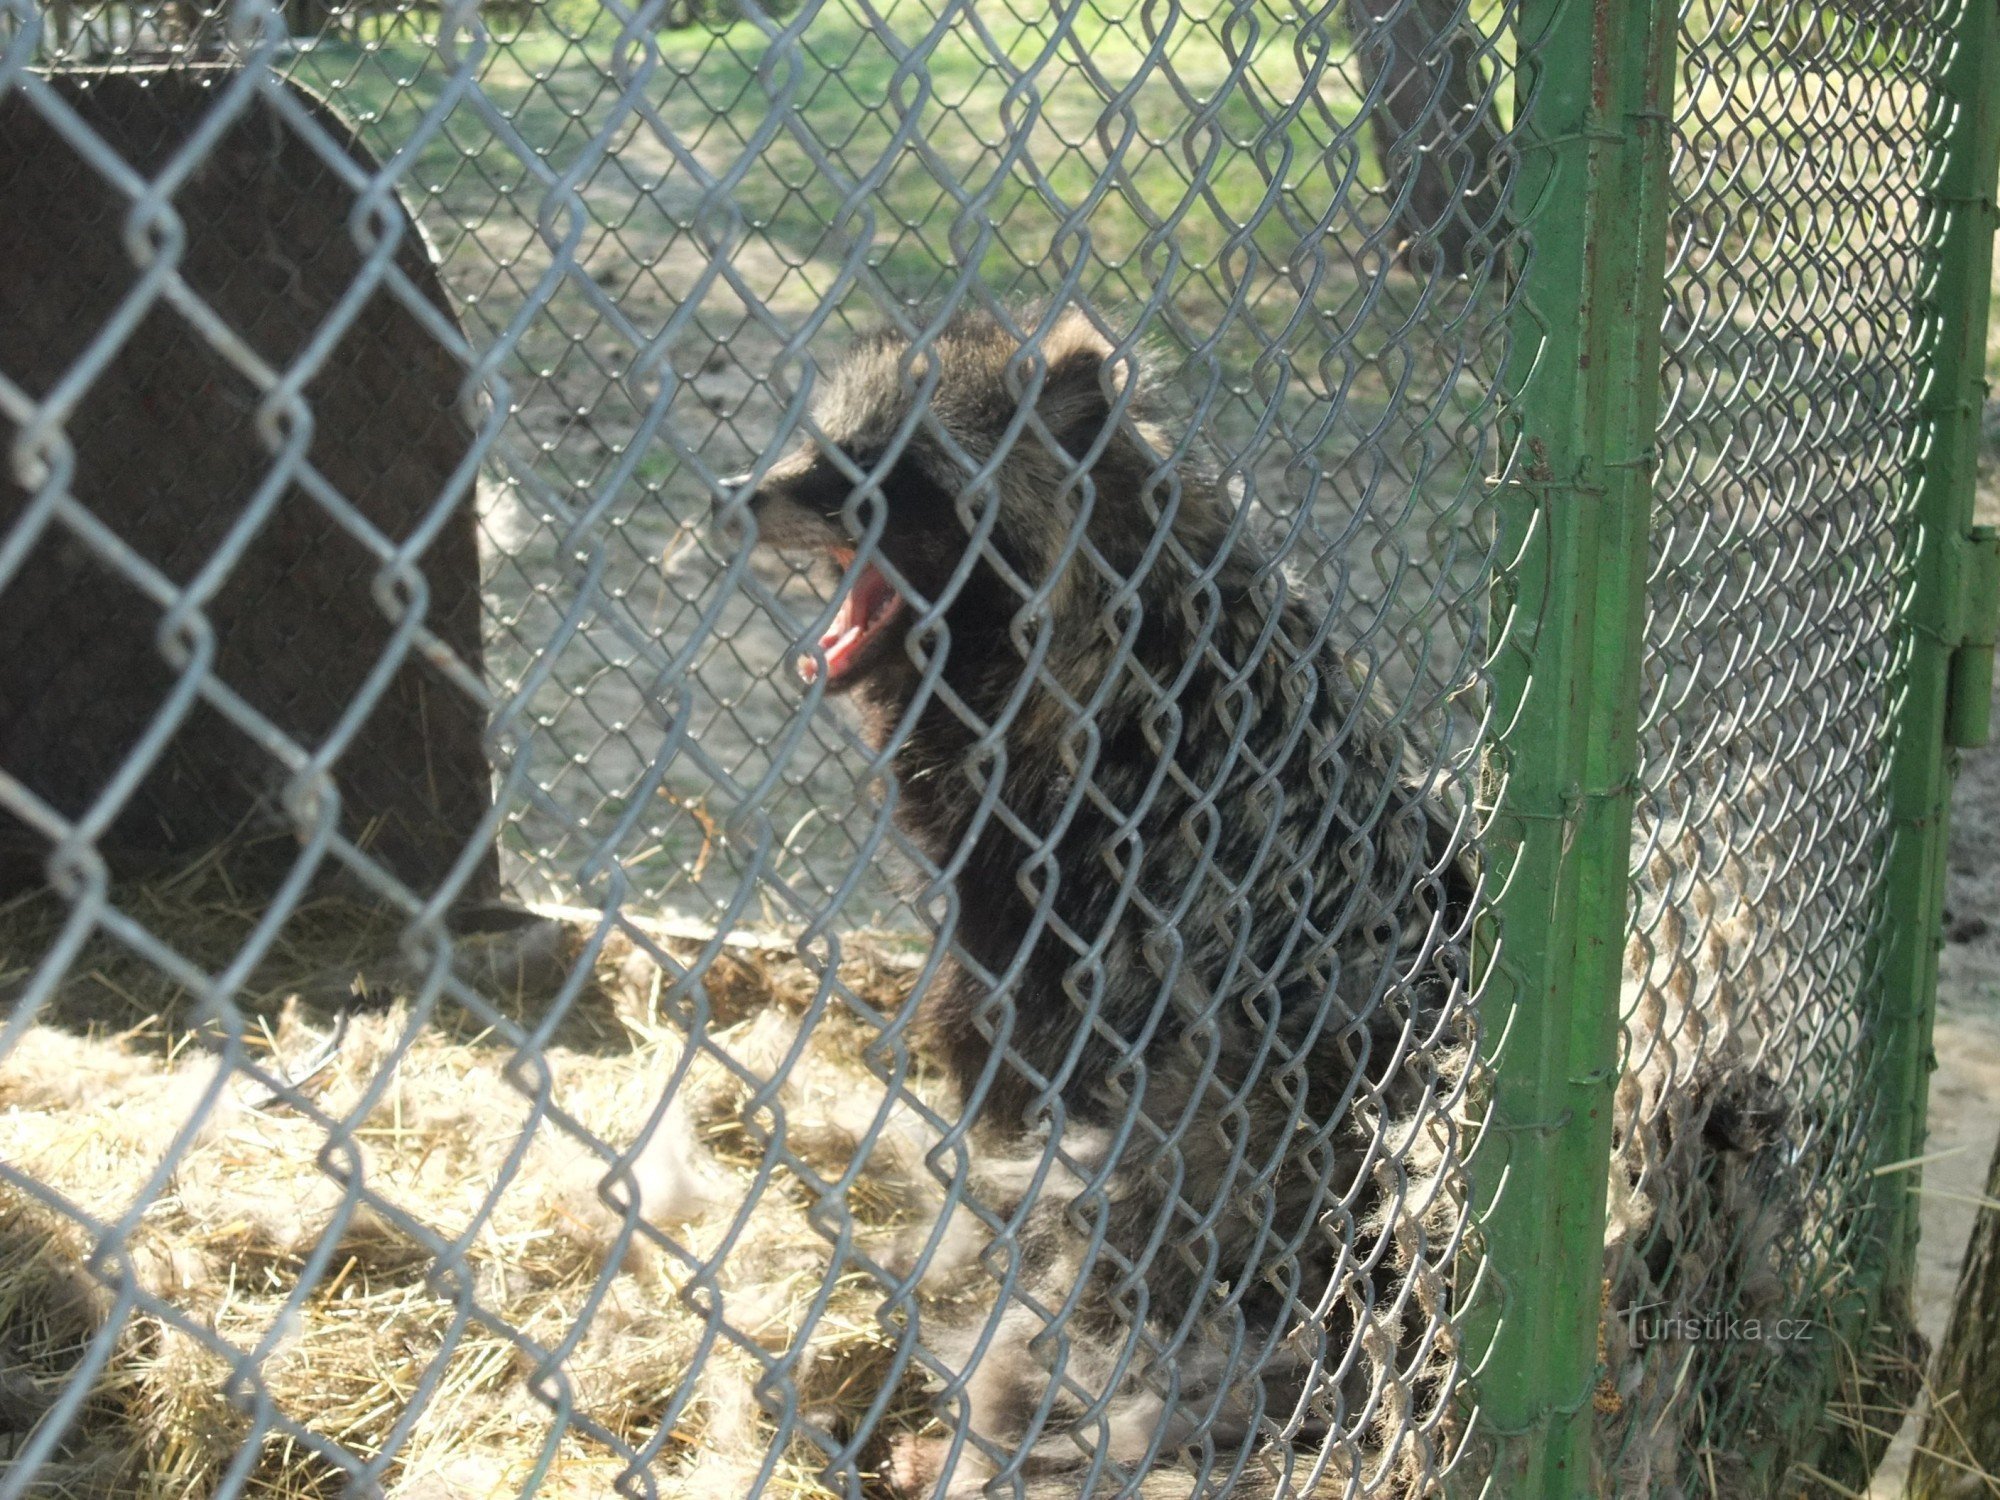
1783, 554
1054, 1076
697, 1181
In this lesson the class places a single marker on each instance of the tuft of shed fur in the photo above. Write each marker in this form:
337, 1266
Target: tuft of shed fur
1726, 1199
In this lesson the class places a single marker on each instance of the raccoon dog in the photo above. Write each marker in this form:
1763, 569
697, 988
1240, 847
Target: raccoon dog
1209, 924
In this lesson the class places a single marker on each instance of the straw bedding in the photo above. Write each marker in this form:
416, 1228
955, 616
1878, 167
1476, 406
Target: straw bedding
692, 1338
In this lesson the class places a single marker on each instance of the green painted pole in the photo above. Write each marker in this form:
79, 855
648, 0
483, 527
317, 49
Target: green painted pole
1949, 578
1593, 94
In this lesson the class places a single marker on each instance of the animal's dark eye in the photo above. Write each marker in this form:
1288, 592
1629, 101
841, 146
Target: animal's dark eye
824, 488
828, 488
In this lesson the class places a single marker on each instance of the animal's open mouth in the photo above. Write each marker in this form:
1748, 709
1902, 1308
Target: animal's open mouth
859, 626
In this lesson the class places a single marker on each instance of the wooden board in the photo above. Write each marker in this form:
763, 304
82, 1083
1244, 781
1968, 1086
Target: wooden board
168, 454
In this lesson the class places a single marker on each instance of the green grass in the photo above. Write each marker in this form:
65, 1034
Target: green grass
936, 137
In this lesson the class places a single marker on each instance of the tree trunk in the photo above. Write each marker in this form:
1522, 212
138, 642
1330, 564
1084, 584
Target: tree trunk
1961, 1442
306, 19
1431, 105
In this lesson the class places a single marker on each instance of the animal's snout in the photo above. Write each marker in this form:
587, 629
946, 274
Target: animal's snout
730, 507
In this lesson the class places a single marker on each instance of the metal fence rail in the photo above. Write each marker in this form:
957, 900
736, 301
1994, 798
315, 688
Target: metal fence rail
897, 748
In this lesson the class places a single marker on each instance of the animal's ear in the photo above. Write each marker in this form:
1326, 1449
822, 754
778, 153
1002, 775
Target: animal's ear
1075, 403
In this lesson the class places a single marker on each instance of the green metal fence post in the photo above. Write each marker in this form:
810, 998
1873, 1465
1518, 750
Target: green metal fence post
1594, 87
1938, 625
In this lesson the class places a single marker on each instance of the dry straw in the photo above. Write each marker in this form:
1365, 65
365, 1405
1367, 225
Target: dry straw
92, 1096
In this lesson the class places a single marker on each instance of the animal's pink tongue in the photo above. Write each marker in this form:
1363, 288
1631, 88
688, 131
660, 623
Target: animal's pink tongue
866, 605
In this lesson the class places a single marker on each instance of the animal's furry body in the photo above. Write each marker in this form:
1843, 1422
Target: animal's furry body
1209, 915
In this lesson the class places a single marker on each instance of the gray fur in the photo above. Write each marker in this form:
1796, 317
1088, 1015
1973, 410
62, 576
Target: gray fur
1206, 903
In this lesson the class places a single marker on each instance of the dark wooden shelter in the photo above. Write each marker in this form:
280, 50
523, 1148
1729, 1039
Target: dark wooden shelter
168, 452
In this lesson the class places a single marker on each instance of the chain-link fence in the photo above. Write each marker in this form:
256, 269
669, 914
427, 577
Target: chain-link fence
1783, 552
889, 749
